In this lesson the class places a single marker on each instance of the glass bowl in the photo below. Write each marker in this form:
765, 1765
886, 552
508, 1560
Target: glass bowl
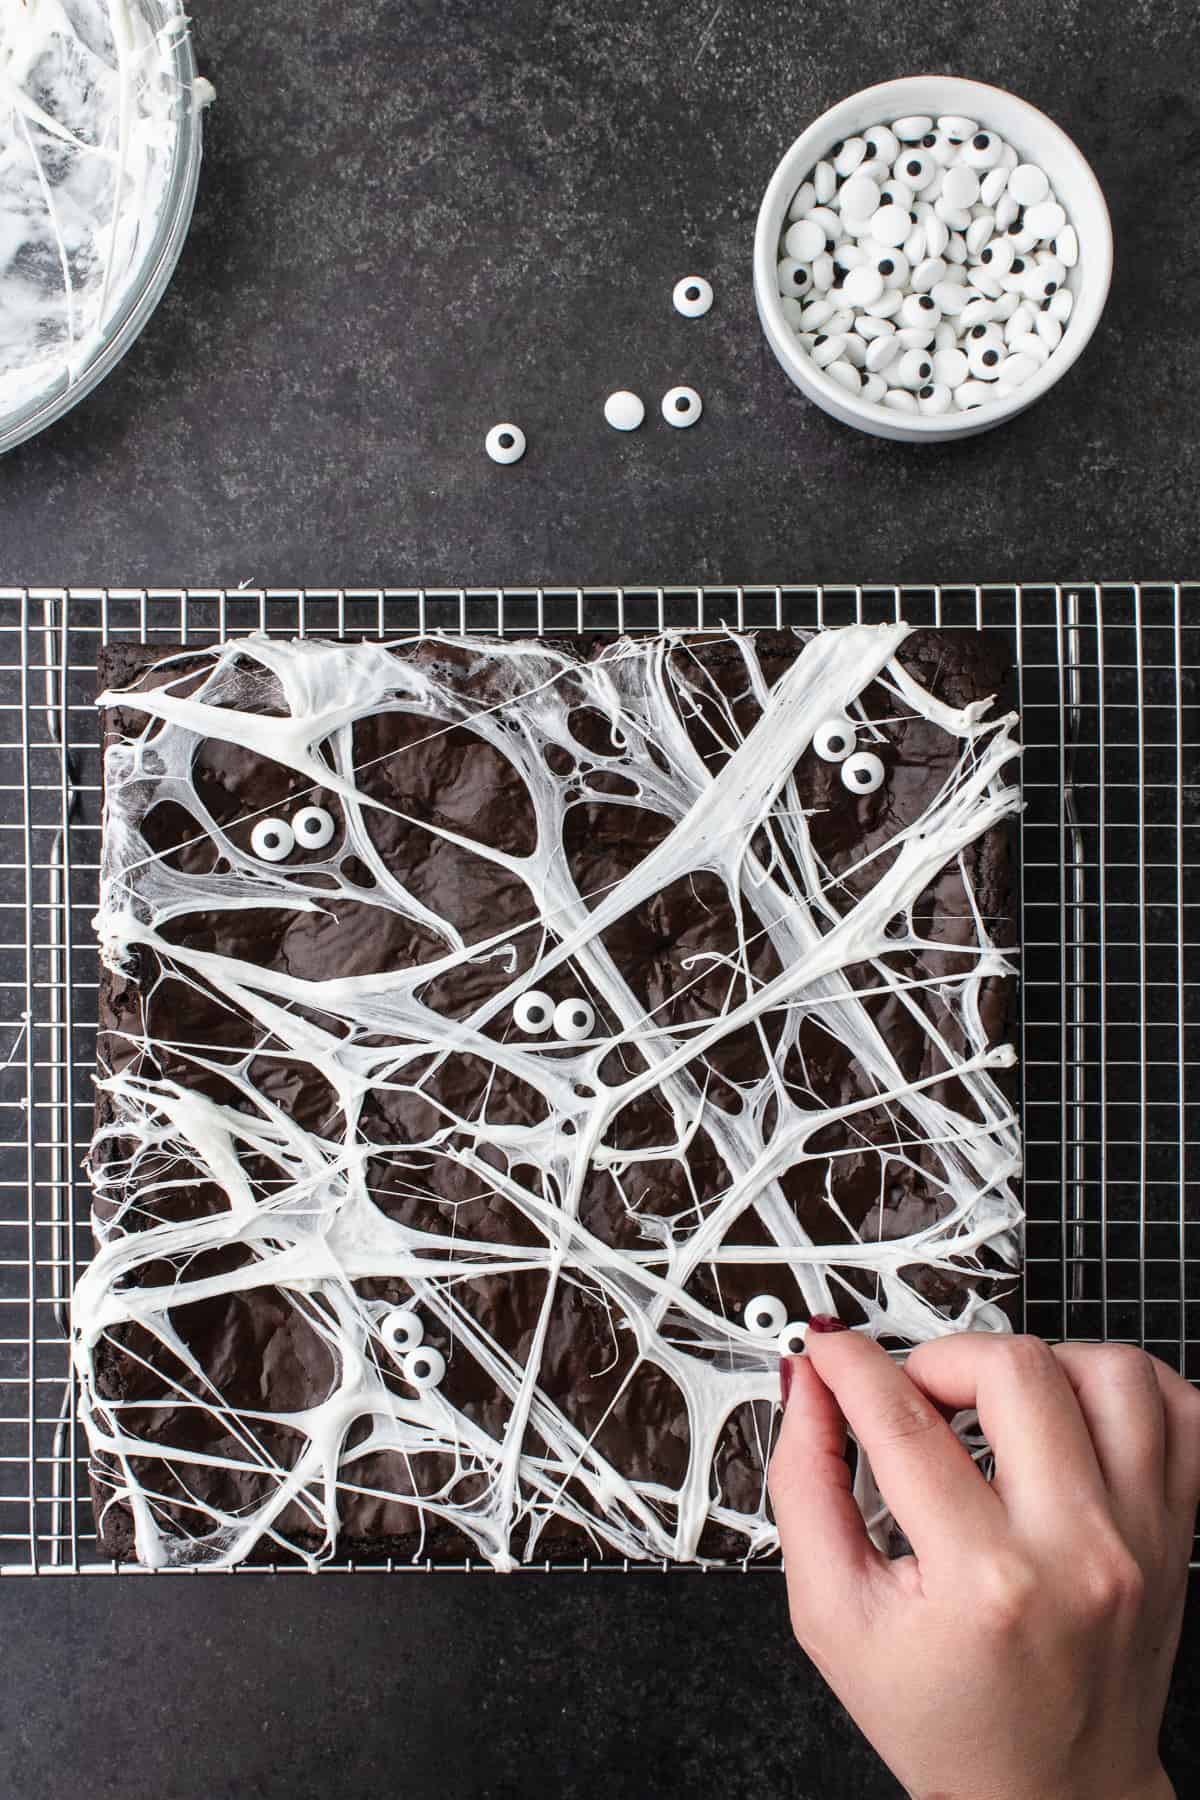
144, 291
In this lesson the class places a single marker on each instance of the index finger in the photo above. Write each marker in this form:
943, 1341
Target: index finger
928, 1479
826, 1551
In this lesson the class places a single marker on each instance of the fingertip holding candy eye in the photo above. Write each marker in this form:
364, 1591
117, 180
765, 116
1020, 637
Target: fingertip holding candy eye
863, 772
765, 1315
313, 828
424, 1367
833, 740
573, 1021
533, 1012
272, 840
792, 1339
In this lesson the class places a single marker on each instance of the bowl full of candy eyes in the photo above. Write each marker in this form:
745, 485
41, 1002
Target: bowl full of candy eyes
931, 256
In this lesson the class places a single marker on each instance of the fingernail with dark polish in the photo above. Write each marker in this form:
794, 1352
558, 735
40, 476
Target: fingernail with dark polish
785, 1379
826, 1322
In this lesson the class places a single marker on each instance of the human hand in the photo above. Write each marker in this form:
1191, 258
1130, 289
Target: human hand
1024, 1651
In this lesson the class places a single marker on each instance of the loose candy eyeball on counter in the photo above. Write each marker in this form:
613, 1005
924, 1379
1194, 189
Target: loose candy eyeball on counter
505, 443
693, 296
681, 406
624, 411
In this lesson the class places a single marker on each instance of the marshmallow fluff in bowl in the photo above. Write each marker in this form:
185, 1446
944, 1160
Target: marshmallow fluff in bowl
90, 115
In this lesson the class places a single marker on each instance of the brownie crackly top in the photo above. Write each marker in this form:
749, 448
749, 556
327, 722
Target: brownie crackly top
484, 1027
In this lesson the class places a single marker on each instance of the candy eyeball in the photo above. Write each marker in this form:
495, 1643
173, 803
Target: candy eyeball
313, 827
505, 443
862, 773
791, 1339
693, 296
765, 1316
573, 1021
401, 1330
272, 840
424, 1367
681, 407
533, 1012
833, 739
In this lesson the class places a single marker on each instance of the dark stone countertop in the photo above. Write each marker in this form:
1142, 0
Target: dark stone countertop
418, 217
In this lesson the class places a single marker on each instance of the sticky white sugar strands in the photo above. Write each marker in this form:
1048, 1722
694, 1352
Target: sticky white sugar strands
297, 1205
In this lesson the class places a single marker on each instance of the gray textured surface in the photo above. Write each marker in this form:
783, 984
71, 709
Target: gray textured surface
416, 219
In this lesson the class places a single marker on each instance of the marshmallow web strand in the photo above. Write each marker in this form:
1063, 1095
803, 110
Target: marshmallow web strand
314, 1234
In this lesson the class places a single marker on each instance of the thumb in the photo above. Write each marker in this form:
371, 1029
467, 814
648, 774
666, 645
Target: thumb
826, 1551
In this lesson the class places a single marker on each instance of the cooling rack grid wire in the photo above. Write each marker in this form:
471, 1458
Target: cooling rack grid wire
1108, 684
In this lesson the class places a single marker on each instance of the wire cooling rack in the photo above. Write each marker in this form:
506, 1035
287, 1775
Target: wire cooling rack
1108, 683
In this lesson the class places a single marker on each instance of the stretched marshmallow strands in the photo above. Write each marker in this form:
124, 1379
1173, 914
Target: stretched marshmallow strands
319, 1232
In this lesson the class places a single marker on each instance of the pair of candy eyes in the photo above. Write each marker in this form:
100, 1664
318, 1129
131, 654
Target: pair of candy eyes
421, 1365
766, 1316
273, 840
834, 741
535, 1012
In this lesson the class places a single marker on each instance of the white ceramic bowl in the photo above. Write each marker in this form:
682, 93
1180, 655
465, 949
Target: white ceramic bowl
1036, 138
